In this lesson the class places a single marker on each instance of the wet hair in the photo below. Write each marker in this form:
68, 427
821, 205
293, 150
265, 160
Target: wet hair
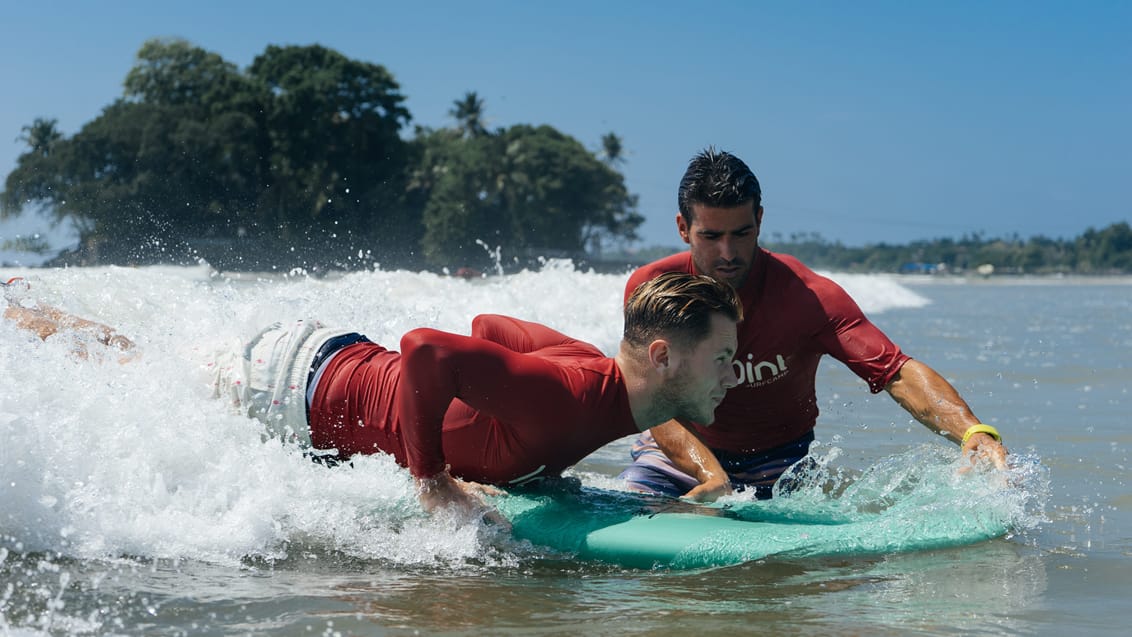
717, 179
678, 306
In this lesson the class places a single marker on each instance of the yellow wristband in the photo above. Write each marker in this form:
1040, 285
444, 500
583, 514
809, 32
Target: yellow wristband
981, 429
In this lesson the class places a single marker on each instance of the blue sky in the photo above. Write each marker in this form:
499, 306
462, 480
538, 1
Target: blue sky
865, 121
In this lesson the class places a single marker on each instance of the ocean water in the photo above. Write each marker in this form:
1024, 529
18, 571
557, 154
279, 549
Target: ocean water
130, 503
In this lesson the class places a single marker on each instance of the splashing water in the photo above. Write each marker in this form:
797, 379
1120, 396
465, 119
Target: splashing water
922, 498
102, 460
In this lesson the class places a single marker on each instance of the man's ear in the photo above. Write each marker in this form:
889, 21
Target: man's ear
659, 354
683, 229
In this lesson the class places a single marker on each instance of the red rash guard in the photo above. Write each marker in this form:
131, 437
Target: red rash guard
791, 317
512, 402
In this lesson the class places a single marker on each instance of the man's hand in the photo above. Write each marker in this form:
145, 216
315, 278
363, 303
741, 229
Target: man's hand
444, 491
983, 445
690, 455
930, 399
709, 491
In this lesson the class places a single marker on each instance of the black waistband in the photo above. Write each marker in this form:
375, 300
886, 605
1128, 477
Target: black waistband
329, 347
738, 462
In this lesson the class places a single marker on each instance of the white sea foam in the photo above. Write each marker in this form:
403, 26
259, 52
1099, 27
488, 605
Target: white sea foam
102, 460
877, 293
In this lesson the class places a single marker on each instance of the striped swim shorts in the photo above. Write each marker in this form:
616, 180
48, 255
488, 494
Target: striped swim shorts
653, 472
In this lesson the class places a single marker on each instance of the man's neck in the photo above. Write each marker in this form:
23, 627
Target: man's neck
638, 387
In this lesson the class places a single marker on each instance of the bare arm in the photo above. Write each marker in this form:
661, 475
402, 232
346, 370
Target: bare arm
45, 321
690, 455
932, 401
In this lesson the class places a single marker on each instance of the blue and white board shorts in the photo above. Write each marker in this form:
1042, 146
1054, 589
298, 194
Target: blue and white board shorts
271, 378
653, 472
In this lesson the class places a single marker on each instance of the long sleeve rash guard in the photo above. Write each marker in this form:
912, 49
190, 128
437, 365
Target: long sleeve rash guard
791, 318
513, 402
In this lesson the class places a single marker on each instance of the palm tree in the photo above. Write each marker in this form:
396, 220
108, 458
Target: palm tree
41, 135
468, 113
613, 153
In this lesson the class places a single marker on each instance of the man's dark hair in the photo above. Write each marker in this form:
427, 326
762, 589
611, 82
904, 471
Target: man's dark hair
717, 179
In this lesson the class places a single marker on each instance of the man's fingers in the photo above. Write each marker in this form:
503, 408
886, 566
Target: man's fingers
443, 491
707, 492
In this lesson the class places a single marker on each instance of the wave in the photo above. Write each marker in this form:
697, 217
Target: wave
102, 460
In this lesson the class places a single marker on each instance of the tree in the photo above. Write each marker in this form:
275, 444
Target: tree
173, 72
41, 136
1112, 247
612, 150
468, 113
304, 146
531, 190
336, 159
29, 181
457, 182
168, 161
301, 155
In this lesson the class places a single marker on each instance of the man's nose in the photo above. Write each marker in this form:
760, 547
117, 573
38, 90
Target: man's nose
730, 379
727, 248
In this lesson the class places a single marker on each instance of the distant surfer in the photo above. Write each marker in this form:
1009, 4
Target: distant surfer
793, 318
512, 403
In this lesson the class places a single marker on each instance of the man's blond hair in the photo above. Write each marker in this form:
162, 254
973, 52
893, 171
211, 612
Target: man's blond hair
678, 306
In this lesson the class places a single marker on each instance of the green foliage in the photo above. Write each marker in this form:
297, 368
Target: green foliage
530, 190
34, 244
172, 159
612, 150
468, 114
1107, 251
301, 156
304, 148
336, 159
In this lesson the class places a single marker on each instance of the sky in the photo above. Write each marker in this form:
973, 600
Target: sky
864, 121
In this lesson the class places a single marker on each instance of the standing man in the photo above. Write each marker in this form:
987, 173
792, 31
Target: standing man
793, 318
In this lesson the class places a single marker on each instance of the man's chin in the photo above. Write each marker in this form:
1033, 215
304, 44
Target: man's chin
734, 279
704, 422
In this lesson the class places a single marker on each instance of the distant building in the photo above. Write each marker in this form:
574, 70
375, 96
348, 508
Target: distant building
923, 268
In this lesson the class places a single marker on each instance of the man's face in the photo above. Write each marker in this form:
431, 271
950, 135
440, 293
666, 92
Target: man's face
723, 240
703, 374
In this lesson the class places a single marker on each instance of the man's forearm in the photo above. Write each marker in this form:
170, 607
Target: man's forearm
688, 453
931, 400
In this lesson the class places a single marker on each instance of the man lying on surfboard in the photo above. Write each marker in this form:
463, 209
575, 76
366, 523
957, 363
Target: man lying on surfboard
793, 318
511, 403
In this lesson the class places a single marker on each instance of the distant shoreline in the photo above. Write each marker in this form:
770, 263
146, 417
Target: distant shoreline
12, 269
1014, 279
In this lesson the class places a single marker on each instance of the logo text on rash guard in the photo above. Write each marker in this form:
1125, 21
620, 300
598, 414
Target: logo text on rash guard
755, 374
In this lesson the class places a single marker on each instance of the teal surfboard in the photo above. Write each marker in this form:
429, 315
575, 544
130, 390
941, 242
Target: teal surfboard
637, 531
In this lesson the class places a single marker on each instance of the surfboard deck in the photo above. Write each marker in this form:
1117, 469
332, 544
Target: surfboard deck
639, 531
